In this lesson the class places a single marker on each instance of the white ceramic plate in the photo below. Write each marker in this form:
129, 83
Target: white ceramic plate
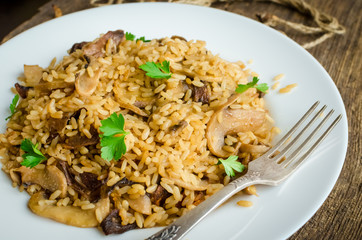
278, 211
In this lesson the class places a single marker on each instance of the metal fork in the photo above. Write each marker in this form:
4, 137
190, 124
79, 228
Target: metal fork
270, 169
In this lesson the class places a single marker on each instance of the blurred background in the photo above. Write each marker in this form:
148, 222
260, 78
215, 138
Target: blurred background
15, 12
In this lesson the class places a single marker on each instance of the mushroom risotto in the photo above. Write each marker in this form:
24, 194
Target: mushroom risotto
127, 133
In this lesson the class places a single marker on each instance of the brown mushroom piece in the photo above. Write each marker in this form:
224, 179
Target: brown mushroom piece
232, 121
133, 108
76, 46
44, 86
70, 215
95, 48
56, 125
136, 107
112, 224
143, 102
85, 85
87, 184
50, 178
201, 94
22, 90
159, 196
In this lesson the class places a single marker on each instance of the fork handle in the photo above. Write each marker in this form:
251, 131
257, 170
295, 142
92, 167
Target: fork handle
184, 224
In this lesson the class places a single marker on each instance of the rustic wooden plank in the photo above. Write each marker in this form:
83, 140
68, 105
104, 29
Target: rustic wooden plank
46, 13
340, 216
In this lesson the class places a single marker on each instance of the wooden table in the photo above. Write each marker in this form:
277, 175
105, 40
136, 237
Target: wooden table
340, 217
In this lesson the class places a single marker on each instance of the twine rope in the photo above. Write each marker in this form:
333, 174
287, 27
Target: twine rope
327, 25
324, 21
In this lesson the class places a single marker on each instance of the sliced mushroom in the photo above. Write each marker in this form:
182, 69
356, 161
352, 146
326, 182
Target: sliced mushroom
232, 121
95, 48
90, 180
133, 108
85, 85
57, 124
112, 224
50, 178
103, 207
15, 176
64, 167
70, 215
87, 184
23, 91
33, 74
34, 78
143, 102
76, 46
141, 204
49, 86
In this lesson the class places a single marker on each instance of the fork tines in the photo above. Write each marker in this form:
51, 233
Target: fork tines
278, 152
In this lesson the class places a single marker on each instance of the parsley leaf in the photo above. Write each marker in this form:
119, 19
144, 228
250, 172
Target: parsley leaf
143, 39
113, 147
157, 70
12, 106
113, 125
231, 164
112, 139
130, 36
263, 87
32, 155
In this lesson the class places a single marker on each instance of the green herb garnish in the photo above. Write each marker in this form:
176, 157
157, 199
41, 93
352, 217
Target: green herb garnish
143, 39
32, 155
231, 164
263, 87
12, 106
112, 139
157, 70
131, 37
